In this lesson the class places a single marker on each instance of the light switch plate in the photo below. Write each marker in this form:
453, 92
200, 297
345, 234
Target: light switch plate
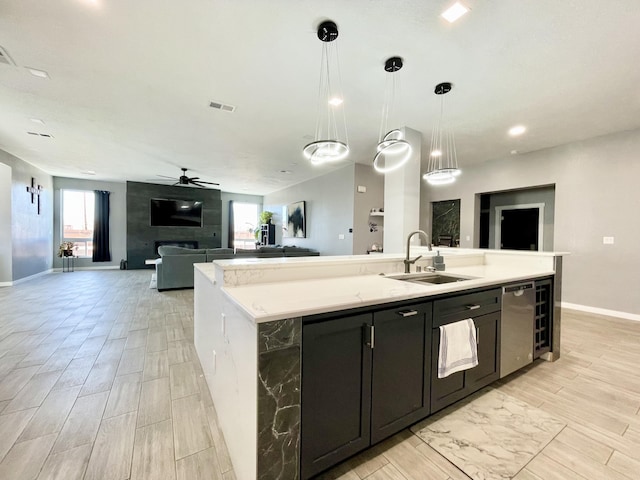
608, 240
341, 236
362, 189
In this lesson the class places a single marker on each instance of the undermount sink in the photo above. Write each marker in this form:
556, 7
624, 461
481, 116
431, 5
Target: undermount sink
433, 278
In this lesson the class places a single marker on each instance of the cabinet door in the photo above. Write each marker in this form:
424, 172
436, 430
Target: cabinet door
401, 369
444, 391
336, 392
488, 338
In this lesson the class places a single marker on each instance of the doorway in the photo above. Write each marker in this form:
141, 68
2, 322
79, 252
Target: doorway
520, 227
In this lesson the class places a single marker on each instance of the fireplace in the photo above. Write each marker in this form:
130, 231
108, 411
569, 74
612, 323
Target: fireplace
176, 243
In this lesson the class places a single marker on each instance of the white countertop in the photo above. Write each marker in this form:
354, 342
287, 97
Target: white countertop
287, 299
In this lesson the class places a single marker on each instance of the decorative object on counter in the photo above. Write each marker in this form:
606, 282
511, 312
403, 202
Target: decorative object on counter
393, 150
66, 249
438, 262
443, 159
295, 221
373, 227
35, 191
330, 143
516, 431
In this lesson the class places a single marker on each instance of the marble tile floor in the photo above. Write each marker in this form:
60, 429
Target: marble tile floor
99, 380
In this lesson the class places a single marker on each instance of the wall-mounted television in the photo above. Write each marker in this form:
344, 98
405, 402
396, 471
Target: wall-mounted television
176, 213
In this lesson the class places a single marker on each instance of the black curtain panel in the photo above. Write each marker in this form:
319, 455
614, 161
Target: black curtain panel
231, 227
101, 251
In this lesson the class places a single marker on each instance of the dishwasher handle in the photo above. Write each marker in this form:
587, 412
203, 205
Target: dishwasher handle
517, 289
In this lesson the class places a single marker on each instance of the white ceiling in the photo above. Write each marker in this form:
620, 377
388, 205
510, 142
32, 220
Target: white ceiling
131, 81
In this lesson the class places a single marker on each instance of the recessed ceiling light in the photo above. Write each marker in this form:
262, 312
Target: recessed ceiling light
37, 73
288, 172
88, 172
37, 120
335, 101
454, 12
517, 130
514, 152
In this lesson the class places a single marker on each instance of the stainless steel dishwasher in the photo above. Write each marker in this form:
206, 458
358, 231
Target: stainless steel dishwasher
517, 327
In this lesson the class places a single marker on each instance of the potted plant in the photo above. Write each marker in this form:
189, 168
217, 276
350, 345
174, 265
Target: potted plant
266, 216
66, 249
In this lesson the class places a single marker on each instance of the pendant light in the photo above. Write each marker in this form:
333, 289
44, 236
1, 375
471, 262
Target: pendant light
330, 144
393, 150
443, 160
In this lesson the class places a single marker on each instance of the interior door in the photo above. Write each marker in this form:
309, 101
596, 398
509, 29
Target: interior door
519, 229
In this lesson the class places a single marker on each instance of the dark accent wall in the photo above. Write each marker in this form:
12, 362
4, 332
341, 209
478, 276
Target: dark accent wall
31, 234
141, 236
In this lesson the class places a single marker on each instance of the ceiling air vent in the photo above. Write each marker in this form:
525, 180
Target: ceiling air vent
38, 134
5, 58
222, 106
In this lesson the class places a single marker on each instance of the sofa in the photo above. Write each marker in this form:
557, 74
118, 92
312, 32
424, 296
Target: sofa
174, 268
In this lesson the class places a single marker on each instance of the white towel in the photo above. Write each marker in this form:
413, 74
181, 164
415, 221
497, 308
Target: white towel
458, 347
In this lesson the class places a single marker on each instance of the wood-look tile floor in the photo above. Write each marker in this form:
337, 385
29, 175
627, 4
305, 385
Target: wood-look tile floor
99, 380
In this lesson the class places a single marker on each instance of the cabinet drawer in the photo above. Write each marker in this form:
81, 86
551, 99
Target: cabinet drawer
470, 305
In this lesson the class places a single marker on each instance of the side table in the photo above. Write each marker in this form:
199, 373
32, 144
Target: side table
68, 264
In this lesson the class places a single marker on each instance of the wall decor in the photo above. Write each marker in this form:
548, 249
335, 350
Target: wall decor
35, 191
445, 223
295, 226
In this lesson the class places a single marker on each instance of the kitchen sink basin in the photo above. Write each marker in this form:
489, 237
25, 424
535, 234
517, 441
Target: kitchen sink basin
433, 278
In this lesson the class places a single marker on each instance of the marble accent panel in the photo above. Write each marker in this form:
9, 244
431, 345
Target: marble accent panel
279, 380
490, 435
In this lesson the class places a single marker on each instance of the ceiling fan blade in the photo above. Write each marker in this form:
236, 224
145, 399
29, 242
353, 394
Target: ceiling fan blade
160, 180
177, 183
164, 176
197, 184
194, 178
208, 183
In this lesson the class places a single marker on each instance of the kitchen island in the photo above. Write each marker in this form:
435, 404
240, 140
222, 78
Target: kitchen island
249, 317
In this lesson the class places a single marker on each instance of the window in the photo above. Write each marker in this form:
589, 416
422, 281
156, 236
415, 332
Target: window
77, 220
245, 222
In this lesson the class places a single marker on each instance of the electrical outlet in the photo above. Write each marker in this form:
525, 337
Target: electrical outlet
223, 322
607, 240
468, 238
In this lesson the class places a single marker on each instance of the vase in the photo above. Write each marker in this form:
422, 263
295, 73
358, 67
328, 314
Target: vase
67, 253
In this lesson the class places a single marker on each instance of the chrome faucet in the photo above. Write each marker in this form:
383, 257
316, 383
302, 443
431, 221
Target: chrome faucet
407, 262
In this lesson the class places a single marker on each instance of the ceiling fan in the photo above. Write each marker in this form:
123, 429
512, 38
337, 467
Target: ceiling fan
185, 180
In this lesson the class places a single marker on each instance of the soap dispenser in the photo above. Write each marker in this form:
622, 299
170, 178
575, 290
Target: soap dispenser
438, 261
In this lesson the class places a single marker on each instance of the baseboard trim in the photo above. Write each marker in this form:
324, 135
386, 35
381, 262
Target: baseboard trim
76, 269
26, 279
601, 311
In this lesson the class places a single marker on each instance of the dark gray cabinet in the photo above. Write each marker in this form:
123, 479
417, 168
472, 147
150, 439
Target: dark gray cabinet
484, 309
400, 387
336, 391
364, 378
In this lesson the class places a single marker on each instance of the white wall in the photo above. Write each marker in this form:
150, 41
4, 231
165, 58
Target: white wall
328, 209
363, 238
597, 195
6, 275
